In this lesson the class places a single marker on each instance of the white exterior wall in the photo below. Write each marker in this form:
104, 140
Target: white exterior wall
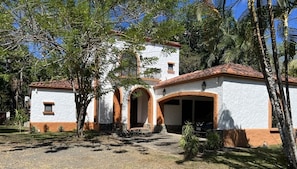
245, 104
125, 106
142, 112
157, 50
213, 85
105, 115
293, 99
90, 112
63, 108
163, 59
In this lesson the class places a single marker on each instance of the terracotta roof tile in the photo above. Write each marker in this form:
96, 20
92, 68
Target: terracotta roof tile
226, 69
56, 84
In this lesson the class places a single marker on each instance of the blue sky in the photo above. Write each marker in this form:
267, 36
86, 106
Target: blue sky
240, 7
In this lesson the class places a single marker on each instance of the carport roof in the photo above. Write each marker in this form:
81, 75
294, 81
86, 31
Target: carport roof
231, 69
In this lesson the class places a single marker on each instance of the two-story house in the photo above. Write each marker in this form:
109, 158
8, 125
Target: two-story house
53, 106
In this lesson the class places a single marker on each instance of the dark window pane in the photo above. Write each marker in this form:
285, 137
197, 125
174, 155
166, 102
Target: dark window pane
170, 66
48, 107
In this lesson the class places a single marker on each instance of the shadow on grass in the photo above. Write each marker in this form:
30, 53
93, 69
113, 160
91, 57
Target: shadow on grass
11, 129
93, 140
264, 158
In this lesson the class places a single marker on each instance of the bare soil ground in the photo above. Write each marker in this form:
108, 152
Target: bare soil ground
106, 151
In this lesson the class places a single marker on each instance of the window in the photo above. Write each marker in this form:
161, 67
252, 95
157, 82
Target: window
128, 64
48, 108
170, 67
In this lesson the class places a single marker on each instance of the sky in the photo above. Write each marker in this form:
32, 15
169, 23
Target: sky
240, 7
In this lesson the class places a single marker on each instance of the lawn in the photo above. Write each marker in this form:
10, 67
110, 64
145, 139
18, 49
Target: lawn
12, 134
268, 157
261, 157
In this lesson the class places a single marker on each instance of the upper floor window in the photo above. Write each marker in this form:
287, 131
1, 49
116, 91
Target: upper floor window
128, 64
170, 67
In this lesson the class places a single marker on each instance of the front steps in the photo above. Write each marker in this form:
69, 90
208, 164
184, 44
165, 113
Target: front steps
140, 131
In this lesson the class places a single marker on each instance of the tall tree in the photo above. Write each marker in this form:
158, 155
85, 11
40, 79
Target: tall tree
278, 98
214, 37
15, 65
85, 35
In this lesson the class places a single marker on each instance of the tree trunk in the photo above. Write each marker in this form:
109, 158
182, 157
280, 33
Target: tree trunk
275, 90
81, 101
286, 125
81, 120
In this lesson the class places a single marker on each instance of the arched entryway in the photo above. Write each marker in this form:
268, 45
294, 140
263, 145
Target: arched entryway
140, 109
175, 109
117, 109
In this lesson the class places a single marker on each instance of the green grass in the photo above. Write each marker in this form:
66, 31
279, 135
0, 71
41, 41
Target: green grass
11, 129
270, 157
11, 134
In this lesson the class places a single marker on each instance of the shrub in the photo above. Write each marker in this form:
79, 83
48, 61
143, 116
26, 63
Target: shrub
189, 141
20, 118
45, 128
214, 141
61, 129
33, 130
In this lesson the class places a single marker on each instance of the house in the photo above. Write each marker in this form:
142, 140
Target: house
230, 98
53, 106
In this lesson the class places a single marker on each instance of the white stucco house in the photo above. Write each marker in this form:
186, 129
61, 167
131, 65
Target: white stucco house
53, 106
230, 98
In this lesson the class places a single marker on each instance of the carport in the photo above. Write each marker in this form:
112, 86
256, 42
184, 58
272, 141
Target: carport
199, 108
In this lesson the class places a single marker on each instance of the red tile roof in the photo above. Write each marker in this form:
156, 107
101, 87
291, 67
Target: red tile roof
56, 84
226, 69
235, 70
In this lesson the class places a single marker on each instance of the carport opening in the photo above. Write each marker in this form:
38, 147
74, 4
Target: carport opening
195, 109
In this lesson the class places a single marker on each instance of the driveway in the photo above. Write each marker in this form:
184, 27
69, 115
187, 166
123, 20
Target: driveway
168, 142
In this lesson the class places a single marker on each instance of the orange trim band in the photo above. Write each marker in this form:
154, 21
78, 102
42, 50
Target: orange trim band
56, 126
250, 137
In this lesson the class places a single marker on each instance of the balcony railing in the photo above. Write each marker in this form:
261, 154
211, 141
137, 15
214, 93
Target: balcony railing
152, 76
